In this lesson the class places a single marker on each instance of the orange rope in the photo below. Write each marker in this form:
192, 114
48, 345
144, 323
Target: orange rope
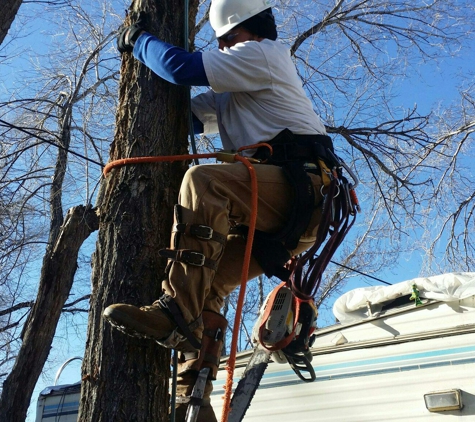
242, 291
143, 160
170, 158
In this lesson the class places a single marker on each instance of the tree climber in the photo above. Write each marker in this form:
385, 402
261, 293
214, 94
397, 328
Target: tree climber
256, 96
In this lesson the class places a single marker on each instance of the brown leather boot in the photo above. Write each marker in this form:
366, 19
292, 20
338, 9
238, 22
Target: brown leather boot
157, 323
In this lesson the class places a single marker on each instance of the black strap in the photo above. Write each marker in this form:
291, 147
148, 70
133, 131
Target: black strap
189, 257
291, 152
168, 304
200, 231
300, 214
288, 147
303, 206
270, 254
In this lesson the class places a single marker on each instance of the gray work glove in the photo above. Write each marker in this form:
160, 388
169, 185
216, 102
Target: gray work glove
129, 34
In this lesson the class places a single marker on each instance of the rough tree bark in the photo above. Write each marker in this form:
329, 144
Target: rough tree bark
126, 379
8, 11
59, 267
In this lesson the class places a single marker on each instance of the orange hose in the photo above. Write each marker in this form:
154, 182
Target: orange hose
242, 291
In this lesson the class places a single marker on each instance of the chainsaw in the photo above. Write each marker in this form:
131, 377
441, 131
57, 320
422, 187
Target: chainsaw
284, 332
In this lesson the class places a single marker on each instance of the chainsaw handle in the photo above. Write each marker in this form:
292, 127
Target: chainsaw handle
300, 364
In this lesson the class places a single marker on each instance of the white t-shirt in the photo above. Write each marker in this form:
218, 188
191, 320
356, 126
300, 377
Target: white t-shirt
256, 93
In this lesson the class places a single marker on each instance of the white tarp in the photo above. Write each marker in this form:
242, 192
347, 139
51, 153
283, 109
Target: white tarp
353, 305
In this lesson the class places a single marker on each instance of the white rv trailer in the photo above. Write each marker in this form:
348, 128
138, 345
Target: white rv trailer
382, 363
59, 403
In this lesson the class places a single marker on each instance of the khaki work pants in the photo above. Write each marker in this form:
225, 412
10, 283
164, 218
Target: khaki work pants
219, 196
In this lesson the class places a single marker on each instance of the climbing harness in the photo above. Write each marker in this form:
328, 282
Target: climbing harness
299, 155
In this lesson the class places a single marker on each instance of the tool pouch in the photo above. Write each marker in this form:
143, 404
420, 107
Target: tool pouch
211, 346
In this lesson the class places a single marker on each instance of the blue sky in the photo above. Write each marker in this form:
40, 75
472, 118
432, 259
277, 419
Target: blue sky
431, 84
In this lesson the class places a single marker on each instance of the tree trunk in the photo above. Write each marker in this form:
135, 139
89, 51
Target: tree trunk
126, 379
8, 11
57, 274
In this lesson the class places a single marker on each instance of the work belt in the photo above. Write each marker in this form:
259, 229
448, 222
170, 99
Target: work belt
290, 148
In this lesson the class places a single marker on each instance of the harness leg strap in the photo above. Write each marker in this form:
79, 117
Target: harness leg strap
271, 255
201, 232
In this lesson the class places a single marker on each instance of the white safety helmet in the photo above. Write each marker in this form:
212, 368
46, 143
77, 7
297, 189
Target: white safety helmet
224, 15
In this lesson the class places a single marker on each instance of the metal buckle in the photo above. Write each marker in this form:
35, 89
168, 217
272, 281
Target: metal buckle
182, 399
195, 258
173, 340
203, 232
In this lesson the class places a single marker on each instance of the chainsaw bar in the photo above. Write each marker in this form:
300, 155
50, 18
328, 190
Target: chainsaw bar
248, 383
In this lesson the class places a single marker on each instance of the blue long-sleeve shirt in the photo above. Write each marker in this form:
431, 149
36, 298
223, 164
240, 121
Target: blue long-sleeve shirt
174, 64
